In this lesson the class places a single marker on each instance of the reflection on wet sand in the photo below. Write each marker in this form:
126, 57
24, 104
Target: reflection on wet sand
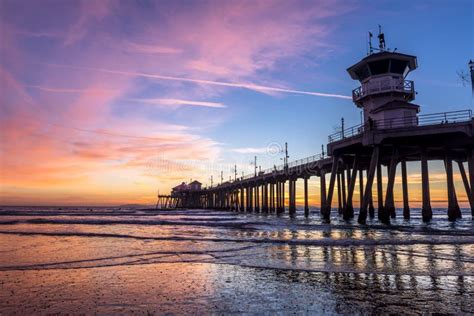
204, 261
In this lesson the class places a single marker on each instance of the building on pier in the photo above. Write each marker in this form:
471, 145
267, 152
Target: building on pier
195, 185
394, 132
182, 196
384, 93
185, 188
179, 188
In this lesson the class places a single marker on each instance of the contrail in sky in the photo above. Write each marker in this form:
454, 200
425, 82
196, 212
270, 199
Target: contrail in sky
209, 82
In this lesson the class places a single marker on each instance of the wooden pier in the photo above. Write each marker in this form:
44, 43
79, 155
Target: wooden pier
393, 133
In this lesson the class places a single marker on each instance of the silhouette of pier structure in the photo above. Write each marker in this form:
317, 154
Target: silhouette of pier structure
392, 134
165, 202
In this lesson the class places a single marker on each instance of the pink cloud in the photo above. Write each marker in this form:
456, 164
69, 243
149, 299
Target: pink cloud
38, 152
61, 127
179, 102
249, 86
150, 49
89, 12
66, 90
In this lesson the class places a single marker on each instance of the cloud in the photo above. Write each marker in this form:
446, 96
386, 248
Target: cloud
250, 150
151, 49
178, 102
37, 34
66, 90
89, 12
248, 86
42, 154
66, 135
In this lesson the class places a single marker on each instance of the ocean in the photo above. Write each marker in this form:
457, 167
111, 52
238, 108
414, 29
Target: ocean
123, 261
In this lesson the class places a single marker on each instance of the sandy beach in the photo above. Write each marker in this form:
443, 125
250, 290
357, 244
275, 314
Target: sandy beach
154, 262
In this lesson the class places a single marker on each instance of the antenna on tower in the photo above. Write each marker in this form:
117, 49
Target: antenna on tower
255, 165
471, 68
381, 38
370, 49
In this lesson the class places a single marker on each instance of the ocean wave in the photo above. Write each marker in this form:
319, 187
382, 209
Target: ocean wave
465, 240
208, 223
243, 224
115, 213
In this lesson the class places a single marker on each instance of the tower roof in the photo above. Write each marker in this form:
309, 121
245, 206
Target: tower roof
380, 62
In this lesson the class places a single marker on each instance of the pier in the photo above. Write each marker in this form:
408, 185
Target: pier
392, 134
165, 202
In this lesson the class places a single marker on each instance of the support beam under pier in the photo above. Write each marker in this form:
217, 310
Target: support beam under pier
379, 191
242, 203
406, 206
339, 194
306, 206
283, 202
371, 199
250, 205
279, 186
343, 187
264, 198
374, 163
272, 196
290, 196
348, 211
257, 198
454, 212
426, 211
323, 190
389, 207
327, 207
470, 166
361, 189
467, 186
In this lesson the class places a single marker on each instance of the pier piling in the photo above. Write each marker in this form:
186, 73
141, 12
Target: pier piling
306, 206
406, 206
426, 210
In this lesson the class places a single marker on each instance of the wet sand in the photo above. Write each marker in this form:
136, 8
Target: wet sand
122, 261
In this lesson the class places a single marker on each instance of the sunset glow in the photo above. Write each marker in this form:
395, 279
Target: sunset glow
108, 102
236, 157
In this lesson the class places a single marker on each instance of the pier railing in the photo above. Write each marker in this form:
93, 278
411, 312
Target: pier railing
404, 122
426, 119
405, 86
282, 167
346, 133
306, 160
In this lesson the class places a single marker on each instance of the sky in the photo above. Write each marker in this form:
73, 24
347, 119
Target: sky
109, 102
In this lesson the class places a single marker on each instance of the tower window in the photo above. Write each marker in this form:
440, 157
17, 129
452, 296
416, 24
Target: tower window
362, 72
379, 67
398, 66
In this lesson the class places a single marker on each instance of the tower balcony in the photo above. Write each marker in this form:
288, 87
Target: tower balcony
384, 86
